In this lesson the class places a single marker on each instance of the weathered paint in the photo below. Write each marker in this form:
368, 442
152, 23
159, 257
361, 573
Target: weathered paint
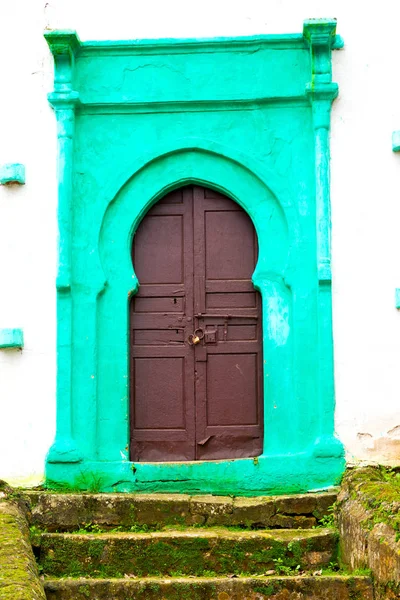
135, 120
11, 338
12, 173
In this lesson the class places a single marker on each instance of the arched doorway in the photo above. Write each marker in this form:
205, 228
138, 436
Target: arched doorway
275, 165
194, 254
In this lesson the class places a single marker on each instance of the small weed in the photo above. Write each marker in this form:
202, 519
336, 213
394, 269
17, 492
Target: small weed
96, 528
207, 573
35, 535
362, 572
89, 528
282, 569
136, 528
84, 590
327, 520
86, 481
333, 566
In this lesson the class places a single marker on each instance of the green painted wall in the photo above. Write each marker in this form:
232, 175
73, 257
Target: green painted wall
249, 117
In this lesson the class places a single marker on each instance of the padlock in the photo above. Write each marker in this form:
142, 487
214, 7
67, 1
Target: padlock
193, 339
196, 337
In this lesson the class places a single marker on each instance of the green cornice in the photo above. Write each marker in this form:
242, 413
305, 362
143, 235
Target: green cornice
62, 41
75, 86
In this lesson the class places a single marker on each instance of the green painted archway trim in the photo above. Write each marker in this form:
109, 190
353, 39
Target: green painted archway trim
137, 119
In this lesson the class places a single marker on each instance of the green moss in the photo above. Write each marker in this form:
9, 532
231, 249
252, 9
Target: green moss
88, 481
103, 555
19, 575
84, 590
378, 490
266, 590
35, 535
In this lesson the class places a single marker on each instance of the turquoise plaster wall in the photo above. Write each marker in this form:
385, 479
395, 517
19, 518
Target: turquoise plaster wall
249, 117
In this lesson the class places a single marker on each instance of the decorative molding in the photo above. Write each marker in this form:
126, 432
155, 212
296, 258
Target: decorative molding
11, 338
250, 104
186, 45
12, 173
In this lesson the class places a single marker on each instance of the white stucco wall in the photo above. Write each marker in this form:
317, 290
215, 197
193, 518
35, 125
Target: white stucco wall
365, 203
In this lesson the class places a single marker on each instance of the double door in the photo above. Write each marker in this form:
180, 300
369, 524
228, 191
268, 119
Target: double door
196, 339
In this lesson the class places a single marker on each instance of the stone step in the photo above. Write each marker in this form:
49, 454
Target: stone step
194, 551
221, 588
69, 512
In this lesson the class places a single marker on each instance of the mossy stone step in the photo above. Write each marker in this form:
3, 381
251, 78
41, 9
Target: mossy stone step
221, 588
68, 512
188, 552
19, 579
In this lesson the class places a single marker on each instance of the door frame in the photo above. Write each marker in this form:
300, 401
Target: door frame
96, 279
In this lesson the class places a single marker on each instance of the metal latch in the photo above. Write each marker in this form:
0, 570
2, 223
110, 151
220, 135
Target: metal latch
210, 335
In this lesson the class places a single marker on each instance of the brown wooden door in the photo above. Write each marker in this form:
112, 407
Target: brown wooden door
194, 254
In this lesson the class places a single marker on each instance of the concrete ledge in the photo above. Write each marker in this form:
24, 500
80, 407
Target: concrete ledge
19, 578
369, 524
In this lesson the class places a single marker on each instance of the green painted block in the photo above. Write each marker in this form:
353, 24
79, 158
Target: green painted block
397, 297
12, 173
11, 338
396, 141
248, 117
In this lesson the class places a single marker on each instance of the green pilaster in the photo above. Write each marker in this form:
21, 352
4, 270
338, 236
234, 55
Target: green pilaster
64, 99
320, 35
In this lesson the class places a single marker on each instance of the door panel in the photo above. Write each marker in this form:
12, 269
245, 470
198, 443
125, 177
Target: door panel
231, 300
230, 379
162, 372
225, 257
166, 267
194, 254
155, 380
155, 304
